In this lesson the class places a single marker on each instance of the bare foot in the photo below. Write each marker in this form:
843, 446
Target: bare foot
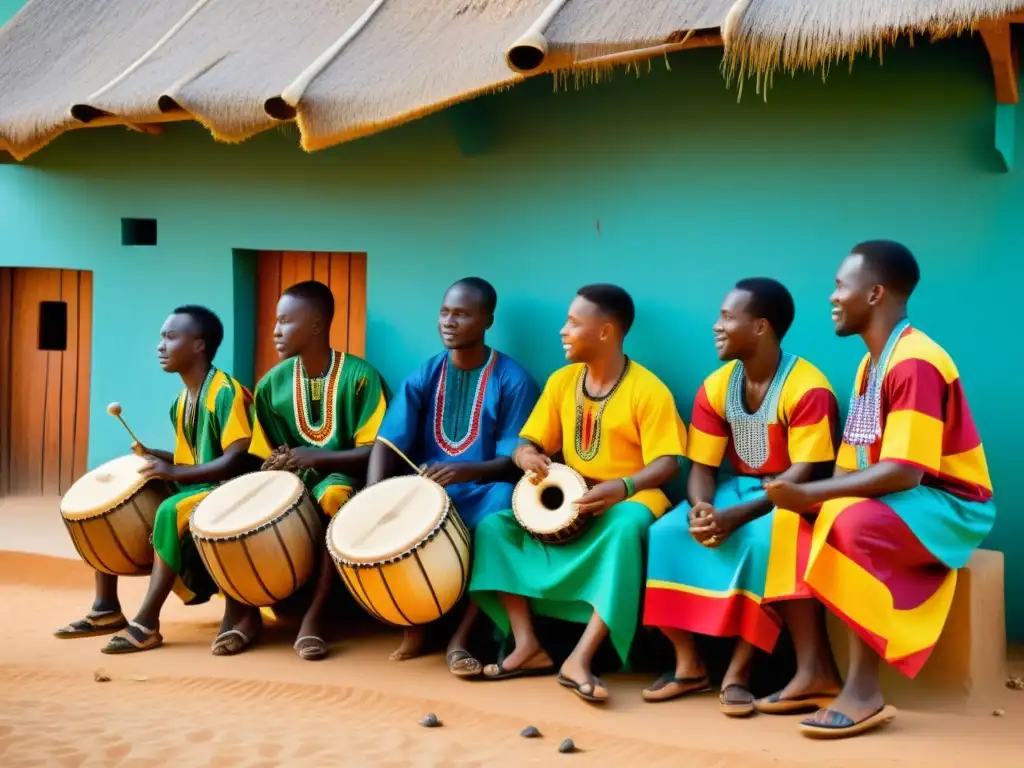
412, 645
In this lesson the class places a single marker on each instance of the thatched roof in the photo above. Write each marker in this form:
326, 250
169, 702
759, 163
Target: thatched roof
346, 68
762, 36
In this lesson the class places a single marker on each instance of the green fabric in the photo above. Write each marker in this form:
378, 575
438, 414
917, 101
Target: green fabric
205, 444
166, 542
357, 396
602, 570
459, 392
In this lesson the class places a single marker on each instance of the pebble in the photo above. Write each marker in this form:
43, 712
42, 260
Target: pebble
101, 676
430, 721
566, 747
998, 712
529, 732
1015, 684
139, 678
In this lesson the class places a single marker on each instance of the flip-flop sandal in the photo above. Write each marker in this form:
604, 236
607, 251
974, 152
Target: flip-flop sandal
594, 682
683, 686
93, 625
462, 663
736, 701
230, 642
312, 651
498, 671
125, 641
798, 705
839, 726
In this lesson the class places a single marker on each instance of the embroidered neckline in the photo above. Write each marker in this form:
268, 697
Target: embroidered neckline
588, 430
441, 437
316, 434
863, 425
190, 414
750, 430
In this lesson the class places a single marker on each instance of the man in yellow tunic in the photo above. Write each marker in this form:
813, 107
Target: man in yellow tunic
212, 431
616, 424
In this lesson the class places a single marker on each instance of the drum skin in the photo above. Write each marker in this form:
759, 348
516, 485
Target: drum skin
115, 535
416, 584
561, 525
266, 563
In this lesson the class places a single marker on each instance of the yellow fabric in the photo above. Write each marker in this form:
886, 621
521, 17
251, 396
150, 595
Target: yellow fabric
969, 465
227, 407
639, 424
333, 498
259, 446
780, 581
367, 433
914, 437
868, 602
183, 510
705, 449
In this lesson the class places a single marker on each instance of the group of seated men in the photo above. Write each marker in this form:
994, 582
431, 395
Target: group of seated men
869, 526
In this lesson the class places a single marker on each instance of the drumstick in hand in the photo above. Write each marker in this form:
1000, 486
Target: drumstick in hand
393, 447
114, 409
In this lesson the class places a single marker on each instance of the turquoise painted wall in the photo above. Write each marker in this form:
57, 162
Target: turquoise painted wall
662, 183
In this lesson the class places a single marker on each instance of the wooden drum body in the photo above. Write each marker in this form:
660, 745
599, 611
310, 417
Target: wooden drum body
110, 512
259, 536
547, 510
402, 550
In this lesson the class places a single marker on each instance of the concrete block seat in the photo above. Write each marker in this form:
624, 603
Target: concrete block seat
968, 666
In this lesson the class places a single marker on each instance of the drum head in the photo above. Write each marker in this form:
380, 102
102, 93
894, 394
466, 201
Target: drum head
245, 503
104, 487
548, 506
387, 519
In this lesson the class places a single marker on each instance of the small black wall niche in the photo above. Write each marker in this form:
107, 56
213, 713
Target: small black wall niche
53, 326
138, 231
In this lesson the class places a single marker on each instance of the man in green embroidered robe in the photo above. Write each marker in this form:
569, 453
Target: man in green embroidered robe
325, 437
212, 432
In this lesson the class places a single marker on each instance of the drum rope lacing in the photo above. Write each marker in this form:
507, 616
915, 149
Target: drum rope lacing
392, 559
292, 506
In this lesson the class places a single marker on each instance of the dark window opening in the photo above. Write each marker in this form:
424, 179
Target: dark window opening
53, 326
138, 231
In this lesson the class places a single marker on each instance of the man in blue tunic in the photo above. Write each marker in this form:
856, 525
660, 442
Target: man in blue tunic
459, 416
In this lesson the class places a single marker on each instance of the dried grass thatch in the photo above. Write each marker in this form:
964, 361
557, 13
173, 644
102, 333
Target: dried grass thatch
762, 36
346, 68
54, 51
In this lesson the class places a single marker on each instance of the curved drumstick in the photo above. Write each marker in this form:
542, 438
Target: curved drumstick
395, 448
114, 409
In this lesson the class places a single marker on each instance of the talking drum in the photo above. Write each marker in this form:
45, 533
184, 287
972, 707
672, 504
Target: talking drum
259, 536
547, 510
109, 513
402, 550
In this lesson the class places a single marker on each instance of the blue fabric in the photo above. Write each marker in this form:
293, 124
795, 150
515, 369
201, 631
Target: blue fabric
509, 397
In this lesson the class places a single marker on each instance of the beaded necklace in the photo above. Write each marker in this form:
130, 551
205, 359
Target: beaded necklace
445, 441
588, 429
318, 434
750, 430
190, 414
864, 421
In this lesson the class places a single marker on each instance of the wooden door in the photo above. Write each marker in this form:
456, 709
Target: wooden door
45, 350
345, 273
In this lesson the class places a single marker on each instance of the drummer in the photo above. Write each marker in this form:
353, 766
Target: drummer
460, 414
325, 437
211, 422
614, 422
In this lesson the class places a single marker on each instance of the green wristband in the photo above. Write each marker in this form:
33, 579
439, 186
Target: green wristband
630, 487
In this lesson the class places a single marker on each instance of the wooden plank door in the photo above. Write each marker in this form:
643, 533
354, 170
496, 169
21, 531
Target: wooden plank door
344, 273
48, 368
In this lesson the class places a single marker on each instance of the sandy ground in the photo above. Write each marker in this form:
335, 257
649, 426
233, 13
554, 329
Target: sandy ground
181, 706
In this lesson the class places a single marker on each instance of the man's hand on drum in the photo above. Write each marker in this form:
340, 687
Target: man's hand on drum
303, 457
533, 463
601, 497
157, 469
446, 473
278, 459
